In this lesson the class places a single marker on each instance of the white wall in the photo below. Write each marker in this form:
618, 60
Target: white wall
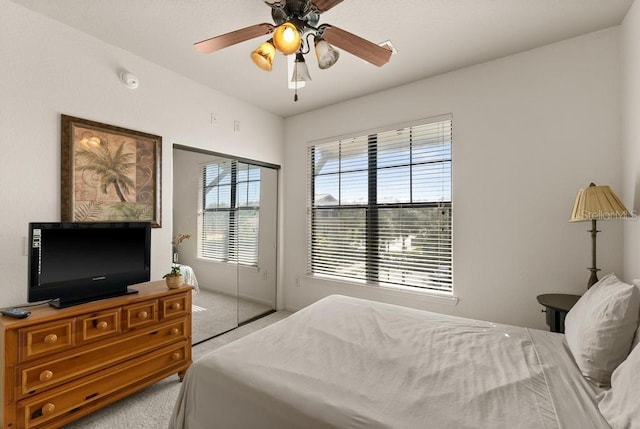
48, 69
630, 78
529, 130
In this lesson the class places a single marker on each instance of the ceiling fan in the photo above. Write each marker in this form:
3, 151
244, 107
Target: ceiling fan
296, 21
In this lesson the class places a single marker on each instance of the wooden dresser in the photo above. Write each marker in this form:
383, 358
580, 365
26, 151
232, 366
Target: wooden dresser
61, 364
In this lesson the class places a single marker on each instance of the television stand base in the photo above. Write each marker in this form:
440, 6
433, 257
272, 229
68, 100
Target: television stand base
57, 303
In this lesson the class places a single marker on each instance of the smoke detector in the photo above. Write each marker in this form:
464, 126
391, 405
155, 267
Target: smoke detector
129, 80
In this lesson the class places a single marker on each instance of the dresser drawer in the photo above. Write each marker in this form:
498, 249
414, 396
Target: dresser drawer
36, 377
174, 306
99, 325
45, 339
142, 314
53, 404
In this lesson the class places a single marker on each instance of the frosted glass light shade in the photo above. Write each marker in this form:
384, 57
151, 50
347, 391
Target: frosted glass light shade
300, 70
287, 38
263, 55
326, 54
290, 67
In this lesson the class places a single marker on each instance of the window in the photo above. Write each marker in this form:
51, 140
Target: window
380, 207
230, 212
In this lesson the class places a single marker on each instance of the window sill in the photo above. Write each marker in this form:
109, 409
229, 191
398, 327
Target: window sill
393, 291
229, 264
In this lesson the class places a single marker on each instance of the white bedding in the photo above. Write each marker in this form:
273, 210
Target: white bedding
351, 363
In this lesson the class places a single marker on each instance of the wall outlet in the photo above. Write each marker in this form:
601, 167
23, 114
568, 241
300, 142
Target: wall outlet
236, 126
214, 119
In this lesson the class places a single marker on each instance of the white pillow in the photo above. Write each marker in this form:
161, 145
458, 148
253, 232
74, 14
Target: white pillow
599, 329
620, 405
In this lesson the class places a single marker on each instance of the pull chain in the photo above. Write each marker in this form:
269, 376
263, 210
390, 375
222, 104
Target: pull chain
295, 82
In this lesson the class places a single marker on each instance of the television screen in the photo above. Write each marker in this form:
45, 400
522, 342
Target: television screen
72, 262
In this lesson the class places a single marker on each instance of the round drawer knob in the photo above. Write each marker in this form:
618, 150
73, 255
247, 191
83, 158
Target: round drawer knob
143, 315
176, 356
50, 339
176, 306
48, 409
175, 331
46, 375
102, 325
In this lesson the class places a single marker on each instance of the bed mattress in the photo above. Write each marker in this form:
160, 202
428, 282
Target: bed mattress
350, 363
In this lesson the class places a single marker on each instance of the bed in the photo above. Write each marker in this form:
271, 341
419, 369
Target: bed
344, 362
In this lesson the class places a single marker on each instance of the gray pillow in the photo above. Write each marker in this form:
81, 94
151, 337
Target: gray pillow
600, 328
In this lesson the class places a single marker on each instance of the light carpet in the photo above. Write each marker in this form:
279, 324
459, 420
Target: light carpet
151, 407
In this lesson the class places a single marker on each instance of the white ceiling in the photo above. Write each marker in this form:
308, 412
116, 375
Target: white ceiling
431, 37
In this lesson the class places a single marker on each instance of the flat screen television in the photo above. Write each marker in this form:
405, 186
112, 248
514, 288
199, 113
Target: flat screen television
75, 262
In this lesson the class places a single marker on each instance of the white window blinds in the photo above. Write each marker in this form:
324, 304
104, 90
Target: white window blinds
380, 207
230, 212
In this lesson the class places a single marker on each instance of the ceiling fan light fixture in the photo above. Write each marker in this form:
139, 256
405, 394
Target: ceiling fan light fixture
294, 22
286, 38
263, 55
290, 66
300, 70
326, 54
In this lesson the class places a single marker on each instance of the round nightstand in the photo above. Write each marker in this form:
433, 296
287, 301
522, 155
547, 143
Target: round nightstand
557, 305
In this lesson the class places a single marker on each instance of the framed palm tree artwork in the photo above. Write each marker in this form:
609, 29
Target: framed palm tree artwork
109, 173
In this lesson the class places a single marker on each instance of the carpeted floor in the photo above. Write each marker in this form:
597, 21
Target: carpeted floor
151, 407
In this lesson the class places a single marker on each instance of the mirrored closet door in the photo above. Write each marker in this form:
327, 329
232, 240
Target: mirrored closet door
229, 207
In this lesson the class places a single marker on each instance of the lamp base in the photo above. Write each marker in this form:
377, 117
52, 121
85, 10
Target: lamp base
594, 271
594, 277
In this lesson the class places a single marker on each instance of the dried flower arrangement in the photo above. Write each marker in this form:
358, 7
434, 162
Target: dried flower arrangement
177, 242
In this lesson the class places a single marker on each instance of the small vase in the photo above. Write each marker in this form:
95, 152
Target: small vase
174, 282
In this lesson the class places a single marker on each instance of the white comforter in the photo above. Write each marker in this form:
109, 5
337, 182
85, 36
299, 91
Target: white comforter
351, 363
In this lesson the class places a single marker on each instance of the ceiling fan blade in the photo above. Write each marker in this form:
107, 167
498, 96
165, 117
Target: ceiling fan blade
325, 5
356, 45
228, 39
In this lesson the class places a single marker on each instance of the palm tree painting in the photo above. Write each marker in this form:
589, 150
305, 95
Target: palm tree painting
113, 173
109, 169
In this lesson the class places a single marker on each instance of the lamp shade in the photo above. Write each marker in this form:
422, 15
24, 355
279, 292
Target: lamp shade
327, 56
287, 38
263, 55
300, 70
291, 64
597, 203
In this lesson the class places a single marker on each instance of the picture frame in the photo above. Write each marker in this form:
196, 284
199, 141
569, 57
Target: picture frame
109, 173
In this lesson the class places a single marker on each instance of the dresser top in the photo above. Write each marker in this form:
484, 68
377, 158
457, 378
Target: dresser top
43, 312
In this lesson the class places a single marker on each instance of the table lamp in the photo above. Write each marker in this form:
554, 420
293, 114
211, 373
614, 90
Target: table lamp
596, 203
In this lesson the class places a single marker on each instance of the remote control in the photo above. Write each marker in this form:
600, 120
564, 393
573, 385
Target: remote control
15, 312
